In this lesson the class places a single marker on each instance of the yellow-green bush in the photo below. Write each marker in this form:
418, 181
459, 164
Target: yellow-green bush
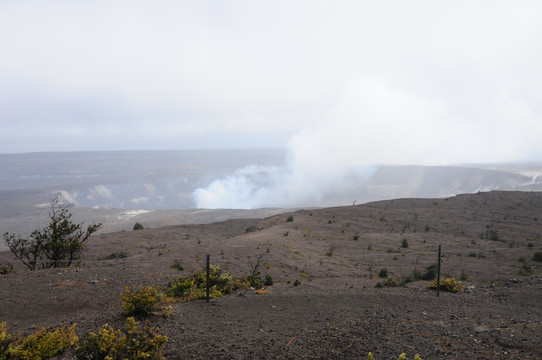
450, 285
44, 344
194, 286
140, 301
401, 357
110, 344
5, 341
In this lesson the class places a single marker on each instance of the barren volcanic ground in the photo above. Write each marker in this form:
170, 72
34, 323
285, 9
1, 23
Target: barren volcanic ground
336, 254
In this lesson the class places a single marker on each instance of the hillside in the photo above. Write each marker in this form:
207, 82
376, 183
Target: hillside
337, 255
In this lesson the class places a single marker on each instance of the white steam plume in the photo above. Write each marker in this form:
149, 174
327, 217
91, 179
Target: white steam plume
377, 123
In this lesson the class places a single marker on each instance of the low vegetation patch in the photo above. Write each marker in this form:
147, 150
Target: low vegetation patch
449, 285
136, 343
177, 265
6, 269
116, 255
140, 301
383, 273
43, 344
403, 356
526, 270
138, 226
389, 282
194, 286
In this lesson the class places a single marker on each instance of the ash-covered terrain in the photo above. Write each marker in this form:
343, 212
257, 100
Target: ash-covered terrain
336, 257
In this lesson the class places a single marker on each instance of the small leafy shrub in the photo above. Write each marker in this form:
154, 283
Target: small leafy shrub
116, 255
494, 235
268, 280
43, 344
59, 244
138, 226
537, 256
415, 276
449, 285
522, 259
401, 357
140, 302
108, 343
5, 341
526, 270
297, 282
356, 237
389, 282
383, 273
464, 276
430, 272
404, 243
255, 280
6, 269
473, 254
177, 265
290, 219
194, 286
330, 251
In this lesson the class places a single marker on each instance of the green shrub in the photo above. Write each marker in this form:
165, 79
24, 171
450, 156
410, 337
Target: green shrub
44, 344
404, 244
108, 343
6, 269
290, 219
526, 270
389, 282
430, 272
5, 341
383, 273
140, 302
177, 265
59, 244
138, 226
268, 280
449, 285
194, 286
116, 255
537, 256
297, 282
255, 280
494, 235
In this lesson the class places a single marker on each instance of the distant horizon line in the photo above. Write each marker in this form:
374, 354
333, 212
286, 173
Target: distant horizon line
524, 162
146, 150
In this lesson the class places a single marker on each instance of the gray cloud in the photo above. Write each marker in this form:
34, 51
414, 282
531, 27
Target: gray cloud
355, 83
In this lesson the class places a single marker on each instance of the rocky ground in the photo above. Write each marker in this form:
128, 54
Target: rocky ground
336, 254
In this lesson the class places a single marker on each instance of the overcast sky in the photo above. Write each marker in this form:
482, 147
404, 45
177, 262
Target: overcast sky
354, 82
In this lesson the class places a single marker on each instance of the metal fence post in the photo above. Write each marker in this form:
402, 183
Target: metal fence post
208, 274
438, 272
